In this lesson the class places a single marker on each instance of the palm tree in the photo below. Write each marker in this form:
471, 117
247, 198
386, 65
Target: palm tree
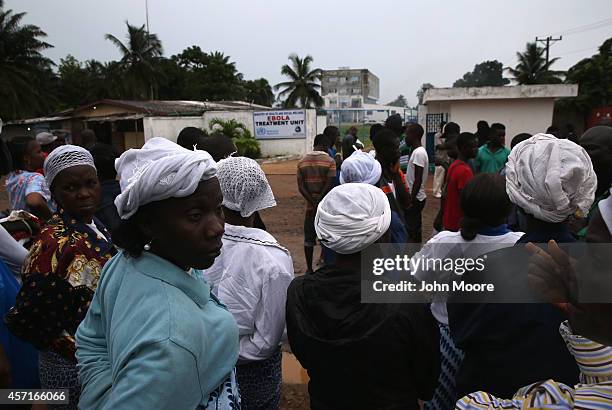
533, 68
138, 61
23, 68
303, 84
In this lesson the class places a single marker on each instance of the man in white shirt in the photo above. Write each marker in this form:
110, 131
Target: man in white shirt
416, 178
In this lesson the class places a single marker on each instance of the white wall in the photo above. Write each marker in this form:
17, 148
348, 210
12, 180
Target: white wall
519, 115
321, 123
169, 127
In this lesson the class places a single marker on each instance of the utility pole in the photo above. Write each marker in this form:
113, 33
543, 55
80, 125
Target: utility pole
147, 14
547, 41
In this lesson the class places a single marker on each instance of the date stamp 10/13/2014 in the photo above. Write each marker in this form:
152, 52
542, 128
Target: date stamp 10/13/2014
33, 396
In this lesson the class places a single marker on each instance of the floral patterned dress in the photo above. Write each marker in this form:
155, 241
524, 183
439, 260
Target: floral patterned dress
59, 278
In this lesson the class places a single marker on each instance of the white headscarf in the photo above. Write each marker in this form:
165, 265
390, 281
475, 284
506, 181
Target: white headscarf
244, 185
360, 167
550, 178
159, 170
351, 217
65, 156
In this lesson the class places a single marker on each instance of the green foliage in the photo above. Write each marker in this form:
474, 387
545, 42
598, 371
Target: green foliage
26, 79
487, 73
303, 85
259, 92
209, 77
400, 101
363, 133
232, 128
594, 78
247, 145
532, 67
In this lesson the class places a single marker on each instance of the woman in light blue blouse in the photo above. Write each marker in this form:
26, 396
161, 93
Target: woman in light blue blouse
155, 337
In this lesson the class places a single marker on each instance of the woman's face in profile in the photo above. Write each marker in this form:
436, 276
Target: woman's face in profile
187, 231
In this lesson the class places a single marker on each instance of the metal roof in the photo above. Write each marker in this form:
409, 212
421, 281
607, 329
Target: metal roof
38, 120
173, 108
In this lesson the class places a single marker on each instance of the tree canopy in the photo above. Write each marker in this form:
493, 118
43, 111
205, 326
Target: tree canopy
487, 73
594, 78
400, 101
31, 84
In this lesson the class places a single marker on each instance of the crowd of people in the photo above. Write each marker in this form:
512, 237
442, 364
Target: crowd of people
149, 279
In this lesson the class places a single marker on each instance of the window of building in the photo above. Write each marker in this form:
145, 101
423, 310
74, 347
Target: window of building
356, 91
332, 79
355, 78
369, 112
333, 102
355, 103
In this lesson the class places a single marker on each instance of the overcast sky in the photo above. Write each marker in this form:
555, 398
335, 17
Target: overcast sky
405, 42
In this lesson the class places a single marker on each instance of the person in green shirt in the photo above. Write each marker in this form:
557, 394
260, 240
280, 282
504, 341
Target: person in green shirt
493, 155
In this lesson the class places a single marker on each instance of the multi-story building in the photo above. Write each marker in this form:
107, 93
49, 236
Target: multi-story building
345, 89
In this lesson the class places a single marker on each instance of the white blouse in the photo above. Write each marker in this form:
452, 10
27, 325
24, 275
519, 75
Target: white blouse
251, 277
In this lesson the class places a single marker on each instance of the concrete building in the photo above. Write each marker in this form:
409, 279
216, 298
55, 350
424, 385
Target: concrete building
346, 88
128, 124
119, 122
521, 108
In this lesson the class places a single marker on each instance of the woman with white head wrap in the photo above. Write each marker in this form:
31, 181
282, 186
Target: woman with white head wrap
62, 269
251, 277
153, 312
549, 179
360, 167
352, 217
334, 335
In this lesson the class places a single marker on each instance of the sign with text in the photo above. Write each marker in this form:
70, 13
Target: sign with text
279, 124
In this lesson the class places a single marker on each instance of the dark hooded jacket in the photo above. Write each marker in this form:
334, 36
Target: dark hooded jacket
359, 355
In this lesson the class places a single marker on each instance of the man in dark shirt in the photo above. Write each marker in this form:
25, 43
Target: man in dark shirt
350, 142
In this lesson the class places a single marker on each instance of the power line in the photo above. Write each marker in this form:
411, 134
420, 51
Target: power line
585, 27
578, 51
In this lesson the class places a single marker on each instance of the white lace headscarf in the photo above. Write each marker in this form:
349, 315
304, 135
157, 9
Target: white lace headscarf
351, 217
244, 186
550, 178
360, 167
159, 170
65, 156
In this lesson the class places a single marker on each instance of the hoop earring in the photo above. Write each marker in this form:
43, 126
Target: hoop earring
147, 246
